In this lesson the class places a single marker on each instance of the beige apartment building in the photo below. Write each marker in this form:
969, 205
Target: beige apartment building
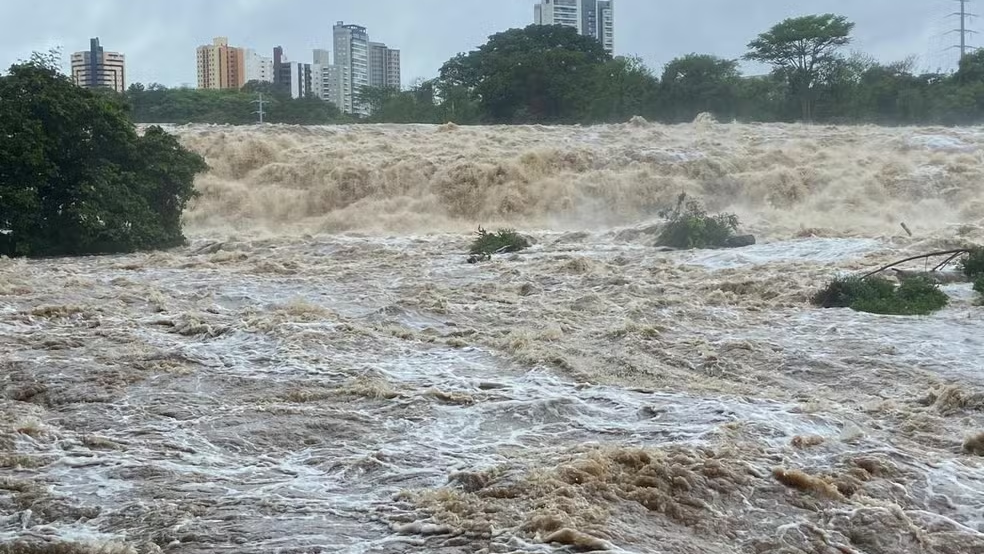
96, 68
221, 66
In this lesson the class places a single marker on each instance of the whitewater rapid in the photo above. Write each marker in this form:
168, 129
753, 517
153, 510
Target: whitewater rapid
320, 370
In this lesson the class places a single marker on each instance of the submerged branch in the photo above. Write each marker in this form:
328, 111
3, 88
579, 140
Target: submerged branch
952, 253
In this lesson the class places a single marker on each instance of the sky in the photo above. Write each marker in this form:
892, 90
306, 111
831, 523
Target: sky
159, 37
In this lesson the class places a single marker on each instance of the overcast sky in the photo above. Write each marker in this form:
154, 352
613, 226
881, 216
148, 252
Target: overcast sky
159, 37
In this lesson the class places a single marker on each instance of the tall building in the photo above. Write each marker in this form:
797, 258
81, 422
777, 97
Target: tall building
221, 66
258, 68
320, 86
606, 24
593, 18
96, 68
352, 58
281, 69
384, 66
331, 83
301, 80
559, 12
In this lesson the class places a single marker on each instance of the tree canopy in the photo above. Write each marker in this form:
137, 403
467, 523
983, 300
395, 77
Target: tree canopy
699, 83
76, 177
802, 49
158, 104
543, 73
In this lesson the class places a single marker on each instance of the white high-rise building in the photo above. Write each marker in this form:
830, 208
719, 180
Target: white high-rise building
558, 12
384, 66
352, 59
258, 68
593, 18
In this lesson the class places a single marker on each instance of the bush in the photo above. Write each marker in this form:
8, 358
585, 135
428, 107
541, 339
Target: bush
501, 242
845, 291
75, 177
689, 226
913, 296
973, 264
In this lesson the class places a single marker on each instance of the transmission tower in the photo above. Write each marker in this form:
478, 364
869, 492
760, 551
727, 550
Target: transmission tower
964, 29
260, 102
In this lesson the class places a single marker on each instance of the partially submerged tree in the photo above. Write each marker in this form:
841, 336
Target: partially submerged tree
76, 178
917, 293
689, 226
802, 49
913, 296
503, 241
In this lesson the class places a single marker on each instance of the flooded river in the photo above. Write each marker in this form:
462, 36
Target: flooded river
320, 370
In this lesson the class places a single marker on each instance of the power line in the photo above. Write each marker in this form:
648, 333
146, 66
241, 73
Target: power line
260, 103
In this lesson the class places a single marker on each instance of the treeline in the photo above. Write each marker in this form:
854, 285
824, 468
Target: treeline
156, 103
552, 75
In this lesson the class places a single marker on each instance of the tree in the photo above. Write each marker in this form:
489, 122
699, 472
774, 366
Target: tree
699, 83
76, 178
542, 73
971, 69
801, 49
624, 87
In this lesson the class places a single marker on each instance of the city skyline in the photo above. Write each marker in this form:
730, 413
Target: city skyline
155, 35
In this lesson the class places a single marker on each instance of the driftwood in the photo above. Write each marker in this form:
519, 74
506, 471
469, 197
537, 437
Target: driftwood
953, 254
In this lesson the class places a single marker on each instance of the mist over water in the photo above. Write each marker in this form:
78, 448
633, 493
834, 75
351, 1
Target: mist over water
321, 371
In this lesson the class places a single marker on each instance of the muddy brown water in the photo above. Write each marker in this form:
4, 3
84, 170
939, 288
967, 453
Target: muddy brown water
319, 370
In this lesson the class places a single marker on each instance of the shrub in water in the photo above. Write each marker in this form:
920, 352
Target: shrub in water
689, 226
973, 264
501, 242
845, 291
914, 296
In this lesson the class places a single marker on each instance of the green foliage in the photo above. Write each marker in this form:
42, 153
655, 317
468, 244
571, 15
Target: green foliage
914, 296
158, 104
699, 83
689, 226
542, 74
973, 264
844, 291
802, 49
501, 242
76, 178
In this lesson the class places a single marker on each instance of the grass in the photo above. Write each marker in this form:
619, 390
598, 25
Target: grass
914, 296
689, 226
503, 241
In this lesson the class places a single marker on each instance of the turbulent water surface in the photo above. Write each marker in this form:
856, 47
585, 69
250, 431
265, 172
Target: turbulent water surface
321, 371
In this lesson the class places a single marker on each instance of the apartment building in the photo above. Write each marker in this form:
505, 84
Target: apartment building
593, 18
97, 68
221, 66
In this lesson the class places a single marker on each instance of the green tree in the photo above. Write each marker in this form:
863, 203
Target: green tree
543, 73
698, 83
76, 178
971, 68
624, 87
159, 104
802, 49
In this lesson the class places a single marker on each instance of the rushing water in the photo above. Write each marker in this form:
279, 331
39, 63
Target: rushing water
275, 388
